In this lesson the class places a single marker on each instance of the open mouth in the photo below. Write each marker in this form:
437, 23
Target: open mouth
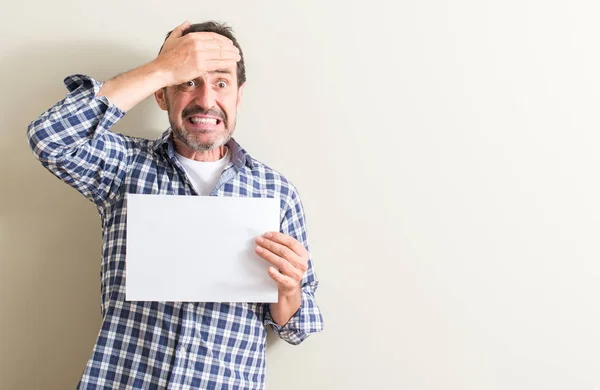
204, 120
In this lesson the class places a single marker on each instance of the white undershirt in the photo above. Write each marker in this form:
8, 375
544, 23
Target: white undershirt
204, 174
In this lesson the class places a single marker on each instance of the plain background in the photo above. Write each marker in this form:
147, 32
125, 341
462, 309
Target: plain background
445, 151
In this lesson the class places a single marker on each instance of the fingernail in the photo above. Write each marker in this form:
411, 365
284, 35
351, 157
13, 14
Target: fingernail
268, 235
260, 240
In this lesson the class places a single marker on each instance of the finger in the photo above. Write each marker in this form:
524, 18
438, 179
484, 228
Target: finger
281, 264
298, 261
203, 37
215, 36
178, 31
217, 44
211, 65
288, 241
205, 41
282, 280
221, 54
279, 249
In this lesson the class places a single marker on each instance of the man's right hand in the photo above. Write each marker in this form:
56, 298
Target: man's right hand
184, 58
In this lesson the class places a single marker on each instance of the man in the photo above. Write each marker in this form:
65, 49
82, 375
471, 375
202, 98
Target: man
198, 78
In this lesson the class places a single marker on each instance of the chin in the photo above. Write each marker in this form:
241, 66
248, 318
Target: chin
206, 145
210, 140
199, 141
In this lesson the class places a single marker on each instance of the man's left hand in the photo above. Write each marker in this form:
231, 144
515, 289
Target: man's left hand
289, 259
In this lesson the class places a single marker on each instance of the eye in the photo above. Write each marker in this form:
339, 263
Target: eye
222, 84
188, 85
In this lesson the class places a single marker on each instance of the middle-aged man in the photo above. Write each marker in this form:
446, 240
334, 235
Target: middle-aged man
198, 78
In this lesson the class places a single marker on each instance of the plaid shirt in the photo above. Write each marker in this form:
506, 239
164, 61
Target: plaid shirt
163, 345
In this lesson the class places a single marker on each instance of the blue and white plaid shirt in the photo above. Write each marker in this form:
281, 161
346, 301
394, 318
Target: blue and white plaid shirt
163, 345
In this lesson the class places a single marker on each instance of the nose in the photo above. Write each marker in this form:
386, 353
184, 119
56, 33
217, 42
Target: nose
205, 96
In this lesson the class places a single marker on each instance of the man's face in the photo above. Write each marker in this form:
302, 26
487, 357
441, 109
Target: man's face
203, 112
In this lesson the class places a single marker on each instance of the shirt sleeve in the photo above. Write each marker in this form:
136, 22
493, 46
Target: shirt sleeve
72, 141
308, 319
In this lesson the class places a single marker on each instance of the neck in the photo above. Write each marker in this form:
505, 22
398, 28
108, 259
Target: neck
206, 156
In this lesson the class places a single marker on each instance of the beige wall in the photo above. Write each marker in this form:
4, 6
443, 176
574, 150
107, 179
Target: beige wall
445, 151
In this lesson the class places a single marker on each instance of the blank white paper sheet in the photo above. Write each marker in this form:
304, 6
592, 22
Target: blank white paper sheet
198, 248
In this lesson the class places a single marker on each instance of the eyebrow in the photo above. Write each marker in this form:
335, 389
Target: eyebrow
226, 71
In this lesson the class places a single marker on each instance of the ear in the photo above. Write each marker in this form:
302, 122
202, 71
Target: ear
240, 94
161, 98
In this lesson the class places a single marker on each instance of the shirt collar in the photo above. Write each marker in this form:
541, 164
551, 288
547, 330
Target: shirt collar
239, 157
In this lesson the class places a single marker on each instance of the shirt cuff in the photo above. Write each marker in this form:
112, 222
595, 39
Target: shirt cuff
83, 90
305, 321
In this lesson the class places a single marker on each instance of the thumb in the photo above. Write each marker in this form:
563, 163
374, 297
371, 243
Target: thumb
178, 31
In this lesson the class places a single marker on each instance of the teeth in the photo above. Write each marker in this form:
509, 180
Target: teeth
204, 121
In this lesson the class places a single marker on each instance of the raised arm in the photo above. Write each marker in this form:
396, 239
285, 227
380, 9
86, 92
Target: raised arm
72, 138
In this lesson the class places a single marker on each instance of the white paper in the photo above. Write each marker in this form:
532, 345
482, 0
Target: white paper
198, 248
